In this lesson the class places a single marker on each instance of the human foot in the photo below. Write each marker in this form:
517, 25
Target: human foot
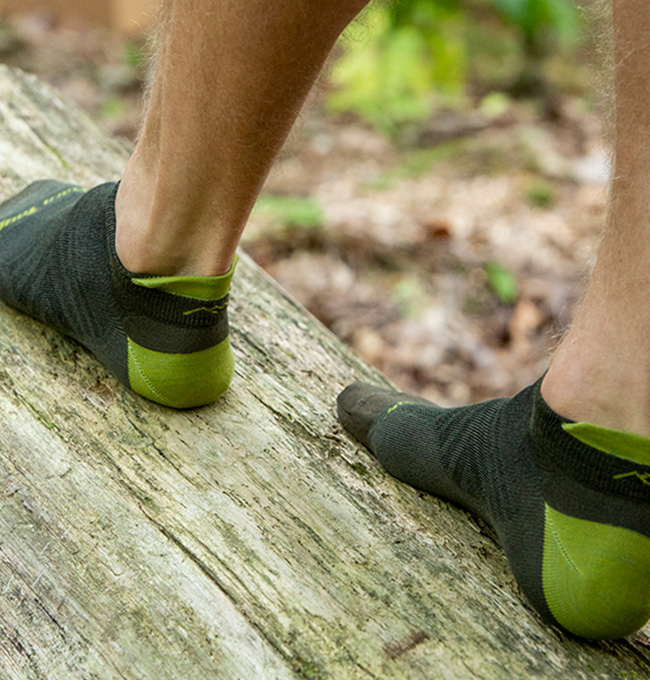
165, 337
570, 502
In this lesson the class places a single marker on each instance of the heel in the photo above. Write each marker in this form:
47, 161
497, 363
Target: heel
596, 577
181, 380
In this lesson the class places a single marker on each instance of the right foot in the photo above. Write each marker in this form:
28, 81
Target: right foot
165, 337
570, 502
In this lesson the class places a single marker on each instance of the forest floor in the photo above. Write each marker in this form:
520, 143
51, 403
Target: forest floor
452, 262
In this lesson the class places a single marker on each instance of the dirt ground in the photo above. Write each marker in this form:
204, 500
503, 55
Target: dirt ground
452, 262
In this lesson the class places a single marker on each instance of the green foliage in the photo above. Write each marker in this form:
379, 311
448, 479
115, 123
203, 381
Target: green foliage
536, 17
542, 24
388, 77
290, 211
113, 107
406, 57
417, 163
410, 295
541, 194
494, 104
133, 55
502, 282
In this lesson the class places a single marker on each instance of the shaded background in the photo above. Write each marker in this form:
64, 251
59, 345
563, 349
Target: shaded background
440, 200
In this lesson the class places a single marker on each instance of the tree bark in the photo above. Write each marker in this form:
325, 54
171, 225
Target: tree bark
252, 539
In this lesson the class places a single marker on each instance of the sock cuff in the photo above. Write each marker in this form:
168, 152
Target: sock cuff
559, 450
208, 288
577, 478
162, 320
633, 447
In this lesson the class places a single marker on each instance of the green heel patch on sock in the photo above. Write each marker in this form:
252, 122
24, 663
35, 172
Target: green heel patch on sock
596, 577
181, 380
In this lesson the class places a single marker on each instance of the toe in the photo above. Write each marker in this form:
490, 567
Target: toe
360, 403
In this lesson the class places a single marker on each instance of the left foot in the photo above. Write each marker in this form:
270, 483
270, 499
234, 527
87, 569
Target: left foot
164, 336
570, 502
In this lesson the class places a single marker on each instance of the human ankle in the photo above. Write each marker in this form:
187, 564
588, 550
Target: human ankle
602, 388
147, 245
143, 253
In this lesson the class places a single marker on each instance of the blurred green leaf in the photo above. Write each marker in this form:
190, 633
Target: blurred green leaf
407, 55
410, 295
133, 56
541, 194
495, 104
387, 77
502, 282
113, 107
291, 211
535, 16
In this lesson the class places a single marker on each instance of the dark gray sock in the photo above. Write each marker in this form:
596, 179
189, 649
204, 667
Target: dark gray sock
166, 337
563, 510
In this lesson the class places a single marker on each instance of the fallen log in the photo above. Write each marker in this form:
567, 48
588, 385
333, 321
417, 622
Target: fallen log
249, 539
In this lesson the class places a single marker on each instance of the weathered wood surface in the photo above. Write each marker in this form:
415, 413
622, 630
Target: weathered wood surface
251, 539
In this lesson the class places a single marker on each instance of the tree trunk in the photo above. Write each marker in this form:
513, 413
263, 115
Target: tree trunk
252, 539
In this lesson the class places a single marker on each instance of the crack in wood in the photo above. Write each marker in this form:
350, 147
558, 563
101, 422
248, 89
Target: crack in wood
213, 578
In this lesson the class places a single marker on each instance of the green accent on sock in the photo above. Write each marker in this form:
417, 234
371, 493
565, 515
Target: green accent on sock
595, 576
39, 204
199, 287
627, 445
181, 380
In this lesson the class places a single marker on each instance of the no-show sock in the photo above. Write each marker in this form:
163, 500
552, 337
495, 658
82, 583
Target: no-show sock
165, 337
569, 502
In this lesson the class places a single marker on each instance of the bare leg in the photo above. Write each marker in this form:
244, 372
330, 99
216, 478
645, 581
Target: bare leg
601, 371
230, 80
569, 501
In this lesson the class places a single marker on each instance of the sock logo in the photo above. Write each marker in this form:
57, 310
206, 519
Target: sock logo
644, 477
219, 307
